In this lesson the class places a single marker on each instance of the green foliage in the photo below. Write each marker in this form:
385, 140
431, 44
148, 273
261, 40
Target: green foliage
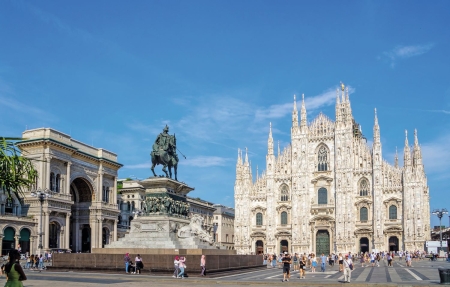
16, 172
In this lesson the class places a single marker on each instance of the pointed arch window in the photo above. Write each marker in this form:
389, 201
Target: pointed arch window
363, 214
284, 196
284, 218
364, 187
259, 219
392, 212
322, 196
322, 159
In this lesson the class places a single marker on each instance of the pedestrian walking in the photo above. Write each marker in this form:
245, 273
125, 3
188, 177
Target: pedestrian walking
295, 261
341, 262
389, 259
182, 266
303, 267
139, 264
323, 259
313, 263
176, 263
13, 270
286, 261
41, 262
274, 260
203, 265
348, 267
127, 261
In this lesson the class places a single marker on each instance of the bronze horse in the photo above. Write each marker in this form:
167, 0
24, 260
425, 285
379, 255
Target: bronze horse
167, 158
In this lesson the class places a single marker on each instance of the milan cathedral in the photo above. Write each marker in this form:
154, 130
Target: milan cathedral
329, 191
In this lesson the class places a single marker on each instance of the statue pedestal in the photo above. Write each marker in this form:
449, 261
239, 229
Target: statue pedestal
165, 223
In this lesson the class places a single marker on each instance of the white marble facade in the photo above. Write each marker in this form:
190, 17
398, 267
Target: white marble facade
329, 191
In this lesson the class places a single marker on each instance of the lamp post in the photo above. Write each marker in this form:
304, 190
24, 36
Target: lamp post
440, 214
41, 195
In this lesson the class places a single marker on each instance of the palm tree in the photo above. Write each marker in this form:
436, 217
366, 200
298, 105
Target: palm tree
17, 173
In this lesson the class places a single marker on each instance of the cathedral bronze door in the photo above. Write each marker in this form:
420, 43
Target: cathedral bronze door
322, 242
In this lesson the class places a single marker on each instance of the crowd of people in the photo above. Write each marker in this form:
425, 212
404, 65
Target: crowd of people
304, 262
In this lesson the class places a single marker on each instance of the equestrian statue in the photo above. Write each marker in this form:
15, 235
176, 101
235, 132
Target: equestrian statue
165, 153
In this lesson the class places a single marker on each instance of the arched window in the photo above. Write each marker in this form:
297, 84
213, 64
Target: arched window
58, 183
322, 159
364, 187
284, 193
259, 219
133, 206
322, 196
52, 181
392, 212
363, 214
284, 218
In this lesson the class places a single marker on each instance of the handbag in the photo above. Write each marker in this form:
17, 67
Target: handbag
350, 266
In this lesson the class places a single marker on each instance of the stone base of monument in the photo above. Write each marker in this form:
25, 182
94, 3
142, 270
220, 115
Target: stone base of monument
158, 232
153, 263
164, 223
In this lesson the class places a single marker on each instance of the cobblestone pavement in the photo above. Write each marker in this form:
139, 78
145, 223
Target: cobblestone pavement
423, 273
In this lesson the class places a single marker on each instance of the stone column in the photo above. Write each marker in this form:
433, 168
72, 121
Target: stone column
114, 195
31, 245
67, 231
100, 182
100, 233
67, 191
47, 171
115, 230
45, 237
16, 241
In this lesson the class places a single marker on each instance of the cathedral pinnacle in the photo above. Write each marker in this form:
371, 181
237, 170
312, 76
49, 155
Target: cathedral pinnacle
295, 114
303, 112
396, 158
246, 155
406, 151
270, 141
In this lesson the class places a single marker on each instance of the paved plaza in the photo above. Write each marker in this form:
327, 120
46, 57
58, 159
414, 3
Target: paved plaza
423, 273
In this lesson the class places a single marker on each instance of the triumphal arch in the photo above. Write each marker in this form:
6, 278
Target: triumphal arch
82, 213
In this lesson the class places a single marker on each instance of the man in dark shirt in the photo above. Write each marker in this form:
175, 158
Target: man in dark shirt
286, 260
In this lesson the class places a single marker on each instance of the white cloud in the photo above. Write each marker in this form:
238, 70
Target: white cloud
20, 108
404, 52
436, 155
411, 51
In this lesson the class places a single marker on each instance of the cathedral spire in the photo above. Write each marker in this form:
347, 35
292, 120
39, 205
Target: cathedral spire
303, 121
417, 154
396, 158
376, 130
278, 148
337, 97
295, 114
270, 141
406, 152
239, 159
246, 156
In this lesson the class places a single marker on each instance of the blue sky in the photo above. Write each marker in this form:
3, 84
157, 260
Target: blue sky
113, 74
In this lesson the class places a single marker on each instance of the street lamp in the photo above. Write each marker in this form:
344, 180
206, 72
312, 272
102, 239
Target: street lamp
41, 195
440, 214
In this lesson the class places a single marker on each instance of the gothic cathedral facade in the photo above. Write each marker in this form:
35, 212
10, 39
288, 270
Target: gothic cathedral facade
329, 191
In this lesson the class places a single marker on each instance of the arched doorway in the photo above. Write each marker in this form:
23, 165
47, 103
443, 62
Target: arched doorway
393, 243
322, 242
284, 246
8, 240
364, 245
105, 237
259, 247
80, 235
53, 236
86, 239
25, 240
